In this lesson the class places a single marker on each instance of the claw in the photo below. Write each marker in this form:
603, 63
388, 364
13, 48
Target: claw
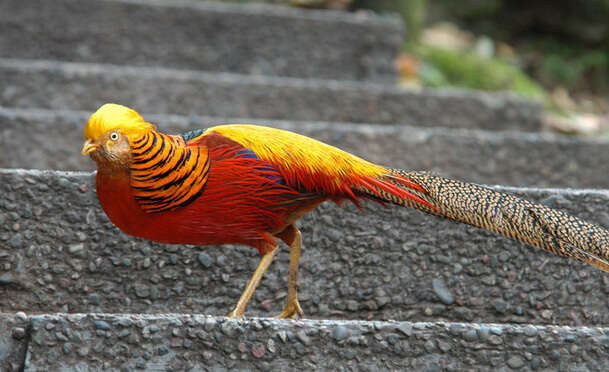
292, 310
235, 314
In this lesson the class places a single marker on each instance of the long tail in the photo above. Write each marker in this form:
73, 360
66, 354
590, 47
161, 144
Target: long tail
519, 219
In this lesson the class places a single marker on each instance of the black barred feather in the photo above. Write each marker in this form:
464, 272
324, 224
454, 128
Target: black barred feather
522, 220
165, 174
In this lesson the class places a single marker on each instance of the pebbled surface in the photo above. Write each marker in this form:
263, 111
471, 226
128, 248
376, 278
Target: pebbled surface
177, 342
14, 339
28, 83
58, 252
249, 39
507, 158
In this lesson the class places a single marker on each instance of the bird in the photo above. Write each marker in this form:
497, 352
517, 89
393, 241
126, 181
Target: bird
249, 184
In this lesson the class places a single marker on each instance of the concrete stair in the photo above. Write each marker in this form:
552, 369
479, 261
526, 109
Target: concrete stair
385, 289
86, 86
250, 39
60, 253
179, 342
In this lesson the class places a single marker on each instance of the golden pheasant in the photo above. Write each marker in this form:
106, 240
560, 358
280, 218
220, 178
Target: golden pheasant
247, 184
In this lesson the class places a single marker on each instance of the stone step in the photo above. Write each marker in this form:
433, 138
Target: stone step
59, 253
14, 334
507, 158
198, 35
34, 83
179, 342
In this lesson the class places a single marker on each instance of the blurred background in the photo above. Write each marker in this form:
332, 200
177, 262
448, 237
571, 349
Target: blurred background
556, 52
473, 89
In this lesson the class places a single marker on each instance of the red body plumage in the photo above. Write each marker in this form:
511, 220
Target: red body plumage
241, 204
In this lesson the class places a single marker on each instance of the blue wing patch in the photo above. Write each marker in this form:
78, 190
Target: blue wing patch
273, 174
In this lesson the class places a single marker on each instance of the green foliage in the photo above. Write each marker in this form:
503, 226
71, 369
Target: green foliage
569, 65
411, 11
564, 42
569, 71
443, 67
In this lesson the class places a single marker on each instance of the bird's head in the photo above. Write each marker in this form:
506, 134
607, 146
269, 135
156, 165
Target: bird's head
109, 132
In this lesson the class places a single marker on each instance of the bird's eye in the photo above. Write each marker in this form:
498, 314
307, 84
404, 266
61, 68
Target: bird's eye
114, 136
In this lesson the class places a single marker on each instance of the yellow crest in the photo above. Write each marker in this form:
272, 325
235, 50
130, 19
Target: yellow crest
116, 117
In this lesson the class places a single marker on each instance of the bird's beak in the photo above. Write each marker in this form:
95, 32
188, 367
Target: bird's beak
88, 147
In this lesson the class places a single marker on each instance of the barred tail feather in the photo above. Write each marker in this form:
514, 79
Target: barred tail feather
531, 223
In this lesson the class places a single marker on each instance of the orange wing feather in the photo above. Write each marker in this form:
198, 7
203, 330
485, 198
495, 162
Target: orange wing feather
310, 165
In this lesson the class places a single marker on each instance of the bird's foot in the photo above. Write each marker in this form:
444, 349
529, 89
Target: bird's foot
291, 310
235, 314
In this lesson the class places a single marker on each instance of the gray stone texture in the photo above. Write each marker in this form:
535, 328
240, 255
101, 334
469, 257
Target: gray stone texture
76, 86
248, 39
178, 342
14, 338
505, 158
59, 253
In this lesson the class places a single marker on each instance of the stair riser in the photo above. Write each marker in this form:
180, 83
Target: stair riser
184, 342
86, 87
58, 252
13, 342
482, 157
251, 39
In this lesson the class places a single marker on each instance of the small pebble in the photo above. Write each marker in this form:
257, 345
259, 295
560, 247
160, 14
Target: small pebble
530, 331
515, 362
495, 340
67, 348
483, 333
500, 306
496, 331
82, 351
430, 346
229, 329
443, 293
283, 336
6, 279
340, 333
270, 345
21, 316
100, 324
471, 335
76, 248
555, 355
302, 336
15, 241
258, 350
95, 299
405, 328
18, 333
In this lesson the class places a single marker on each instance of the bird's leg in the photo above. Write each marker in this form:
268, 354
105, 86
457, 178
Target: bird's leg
248, 292
292, 307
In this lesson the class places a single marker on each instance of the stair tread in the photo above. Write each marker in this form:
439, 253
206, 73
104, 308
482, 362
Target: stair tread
180, 341
85, 86
256, 39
